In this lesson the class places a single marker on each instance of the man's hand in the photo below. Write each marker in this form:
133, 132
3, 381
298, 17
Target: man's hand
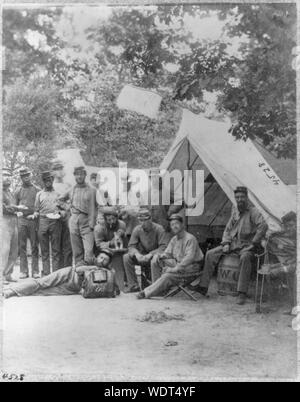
249, 248
62, 214
148, 257
170, 270
139, 257
35, 215
226, 248
160, 257
19, 214
264, 243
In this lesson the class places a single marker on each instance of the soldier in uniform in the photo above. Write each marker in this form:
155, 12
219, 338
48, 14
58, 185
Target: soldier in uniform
25, 195
93, 180
65, 281
243, 234
181, 260
82, 199
105, 238
9, 227
46, 209
147, 239
61, 187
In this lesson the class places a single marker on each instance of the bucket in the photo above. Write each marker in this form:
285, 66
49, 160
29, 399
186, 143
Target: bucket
228, 275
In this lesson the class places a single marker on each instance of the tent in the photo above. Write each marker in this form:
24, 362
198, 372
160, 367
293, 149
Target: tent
207, 145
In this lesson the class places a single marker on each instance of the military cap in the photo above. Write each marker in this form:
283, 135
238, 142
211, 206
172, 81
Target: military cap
57, 164
110, 211
7, 171
46, 175
241, 189
107, 252
290, 216
144, 214
79, 169
176, 217
24, 172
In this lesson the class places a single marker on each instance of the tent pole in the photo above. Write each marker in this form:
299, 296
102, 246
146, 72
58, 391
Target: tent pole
188, 168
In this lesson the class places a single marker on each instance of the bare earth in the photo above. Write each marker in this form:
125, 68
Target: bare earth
125, 339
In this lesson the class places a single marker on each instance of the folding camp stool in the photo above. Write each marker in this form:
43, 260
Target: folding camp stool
182, 287
140, 274
264, 273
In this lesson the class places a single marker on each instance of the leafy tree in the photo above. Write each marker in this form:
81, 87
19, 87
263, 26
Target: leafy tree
109, 134
258, 86
264, 102
32, 126
33, 46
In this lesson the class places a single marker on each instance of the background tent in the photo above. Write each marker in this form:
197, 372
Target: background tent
206, 145
71, 158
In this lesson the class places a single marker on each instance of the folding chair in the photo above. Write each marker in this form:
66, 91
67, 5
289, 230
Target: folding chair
141, 277
264, 273
182, 287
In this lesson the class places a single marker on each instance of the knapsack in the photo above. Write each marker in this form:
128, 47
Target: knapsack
100, 283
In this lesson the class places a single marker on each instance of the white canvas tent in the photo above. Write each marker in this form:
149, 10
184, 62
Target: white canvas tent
227, 163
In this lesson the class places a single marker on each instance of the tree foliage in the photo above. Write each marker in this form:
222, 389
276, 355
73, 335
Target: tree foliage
264, 102
73, 103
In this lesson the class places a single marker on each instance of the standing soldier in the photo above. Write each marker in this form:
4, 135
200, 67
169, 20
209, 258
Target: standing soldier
9, 228
62, 188
49, 223
83, 216
93, 180
25, 195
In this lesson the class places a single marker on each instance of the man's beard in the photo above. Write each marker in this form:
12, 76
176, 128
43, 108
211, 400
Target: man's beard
242, 206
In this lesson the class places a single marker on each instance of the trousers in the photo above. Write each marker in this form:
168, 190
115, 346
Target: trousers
65, 281
9, 243
50, 232
28, 230
82, 238
66, 255
212, 259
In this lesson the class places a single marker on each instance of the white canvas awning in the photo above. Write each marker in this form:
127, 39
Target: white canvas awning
234, 163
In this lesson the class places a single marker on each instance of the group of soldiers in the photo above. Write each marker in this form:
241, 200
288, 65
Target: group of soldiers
149, 239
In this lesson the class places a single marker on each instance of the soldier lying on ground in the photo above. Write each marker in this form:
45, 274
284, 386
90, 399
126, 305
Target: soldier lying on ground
66, 281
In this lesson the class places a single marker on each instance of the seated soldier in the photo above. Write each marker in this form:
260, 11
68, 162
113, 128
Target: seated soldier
107, 235
243, 234
147, 239
181, 260
65, 281
283, 245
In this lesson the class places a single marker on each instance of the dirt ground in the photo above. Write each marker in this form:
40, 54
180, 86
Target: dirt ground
125, 339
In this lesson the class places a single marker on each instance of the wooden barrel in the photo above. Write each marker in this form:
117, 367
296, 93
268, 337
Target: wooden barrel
228, 275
